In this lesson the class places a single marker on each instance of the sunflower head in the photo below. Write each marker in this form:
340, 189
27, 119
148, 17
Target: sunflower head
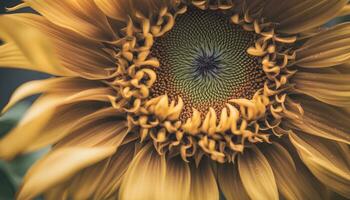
185, 94
203, 79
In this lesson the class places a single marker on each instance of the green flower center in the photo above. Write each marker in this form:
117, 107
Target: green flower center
203, 60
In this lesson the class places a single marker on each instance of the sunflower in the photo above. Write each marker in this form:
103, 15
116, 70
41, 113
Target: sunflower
182, 99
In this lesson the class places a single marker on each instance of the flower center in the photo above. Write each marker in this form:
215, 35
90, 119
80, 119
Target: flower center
204, 60
207, 65
210, 81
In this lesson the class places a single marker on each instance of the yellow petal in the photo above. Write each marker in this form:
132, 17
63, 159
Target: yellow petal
116, 9
31, 44
178, 180
288, 177
328, 48
331, 88
113, 175
65, 119
29, 127
39, 117
58, 166
322, 120
96, 133
57, 193
147, 7
257, 176
295, 16
344, 11
203, 183
12, 57
230, 182
327, 160
86, 183
145, 177
50, 85
80, 55
82, 17
122, 9
101, 94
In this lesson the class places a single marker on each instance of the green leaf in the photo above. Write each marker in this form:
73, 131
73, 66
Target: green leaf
10, 118
7, 187
12, 172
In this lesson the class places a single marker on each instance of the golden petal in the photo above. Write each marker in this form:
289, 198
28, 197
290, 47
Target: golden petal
178, 180
295, 16
327, 160
85, 182
145, 177
122, 9
43, 113
329, 87
28, 129
82, 17
60, 84
203, 183
62, 122
148, 7
12, 57
57, 193
102, 179
344, 11
36, 55
101, 94
322, 120
80, 55
257, 176
230, 182
325, 49
289, 183
58, 166
96, 133
116, 9
115, 172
